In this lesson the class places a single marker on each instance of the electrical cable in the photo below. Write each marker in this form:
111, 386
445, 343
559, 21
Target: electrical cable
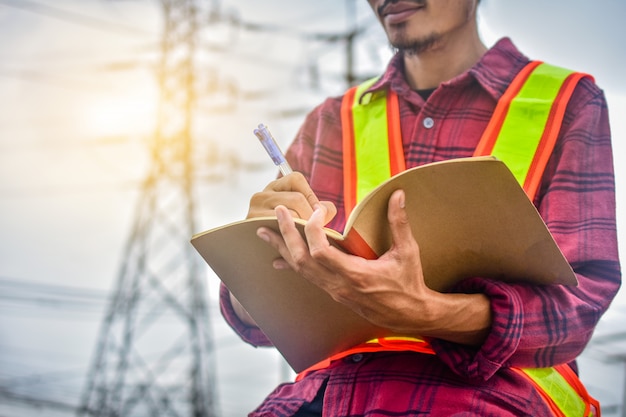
72, 17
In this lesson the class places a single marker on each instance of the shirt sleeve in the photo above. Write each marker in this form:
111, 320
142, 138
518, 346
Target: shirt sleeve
540, 326
249, 334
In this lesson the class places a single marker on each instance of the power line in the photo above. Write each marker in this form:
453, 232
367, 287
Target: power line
73, 17
29, 297
46, 78
36, 402
56, 190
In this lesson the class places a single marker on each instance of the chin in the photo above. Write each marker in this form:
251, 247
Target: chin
415, 45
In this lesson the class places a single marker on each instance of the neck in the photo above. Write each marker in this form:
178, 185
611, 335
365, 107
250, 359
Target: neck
446, 59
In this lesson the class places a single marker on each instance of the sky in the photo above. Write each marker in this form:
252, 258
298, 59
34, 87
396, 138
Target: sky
78, 99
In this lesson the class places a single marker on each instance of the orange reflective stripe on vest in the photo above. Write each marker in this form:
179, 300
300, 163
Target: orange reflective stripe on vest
396, 344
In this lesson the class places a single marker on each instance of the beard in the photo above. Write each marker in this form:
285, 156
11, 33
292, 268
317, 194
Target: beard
402, 42
408, 46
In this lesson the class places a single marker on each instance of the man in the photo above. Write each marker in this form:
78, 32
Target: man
448, 85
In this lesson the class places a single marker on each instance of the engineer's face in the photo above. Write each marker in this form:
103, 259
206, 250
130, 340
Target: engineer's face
418, 24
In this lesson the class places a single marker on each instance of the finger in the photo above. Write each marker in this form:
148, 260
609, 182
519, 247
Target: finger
281, 263
296, 182
331, 211
276, 241
296, 251
263, 204
270, 237
397, 216
292, 182
319, 246
302, 254
314, 232
292, 191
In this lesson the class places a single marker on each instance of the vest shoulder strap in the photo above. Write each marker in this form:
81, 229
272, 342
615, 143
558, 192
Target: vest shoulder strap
372, 141
527, 119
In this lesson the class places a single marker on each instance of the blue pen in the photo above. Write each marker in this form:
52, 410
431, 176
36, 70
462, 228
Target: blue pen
270, 145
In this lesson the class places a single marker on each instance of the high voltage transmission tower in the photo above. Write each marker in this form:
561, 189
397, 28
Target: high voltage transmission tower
155, 351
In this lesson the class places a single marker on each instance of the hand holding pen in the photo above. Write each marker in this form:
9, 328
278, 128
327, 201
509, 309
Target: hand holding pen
293, 192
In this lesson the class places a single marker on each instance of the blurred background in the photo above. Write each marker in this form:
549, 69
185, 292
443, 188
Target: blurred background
126, 126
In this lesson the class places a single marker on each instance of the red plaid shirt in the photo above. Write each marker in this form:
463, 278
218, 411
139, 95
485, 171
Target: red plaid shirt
533, 326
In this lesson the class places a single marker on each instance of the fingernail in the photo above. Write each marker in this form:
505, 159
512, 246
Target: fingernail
402, 200
280, 264
279, 214
263, 235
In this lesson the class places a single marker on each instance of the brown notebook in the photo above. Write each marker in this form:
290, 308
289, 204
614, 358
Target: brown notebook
469, 216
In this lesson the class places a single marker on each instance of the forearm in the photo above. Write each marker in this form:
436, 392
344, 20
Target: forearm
461, 318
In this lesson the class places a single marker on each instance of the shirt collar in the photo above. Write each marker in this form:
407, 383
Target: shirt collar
494, 72
498, 67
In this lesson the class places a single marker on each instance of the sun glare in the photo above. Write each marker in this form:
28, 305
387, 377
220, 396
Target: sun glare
129, 113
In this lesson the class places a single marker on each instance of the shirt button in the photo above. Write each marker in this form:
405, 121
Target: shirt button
428, 122
357, 357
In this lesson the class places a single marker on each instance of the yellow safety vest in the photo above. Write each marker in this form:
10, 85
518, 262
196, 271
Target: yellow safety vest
522, 132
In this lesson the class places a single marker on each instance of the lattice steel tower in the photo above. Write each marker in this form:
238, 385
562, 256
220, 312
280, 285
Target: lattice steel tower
154, 355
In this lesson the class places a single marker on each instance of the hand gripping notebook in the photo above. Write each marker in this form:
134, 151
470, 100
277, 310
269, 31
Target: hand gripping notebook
469, 216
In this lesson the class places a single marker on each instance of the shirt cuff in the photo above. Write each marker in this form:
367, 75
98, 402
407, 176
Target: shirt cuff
481, 363
249, 334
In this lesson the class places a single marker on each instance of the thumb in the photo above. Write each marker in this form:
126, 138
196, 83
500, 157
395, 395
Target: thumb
398, 218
